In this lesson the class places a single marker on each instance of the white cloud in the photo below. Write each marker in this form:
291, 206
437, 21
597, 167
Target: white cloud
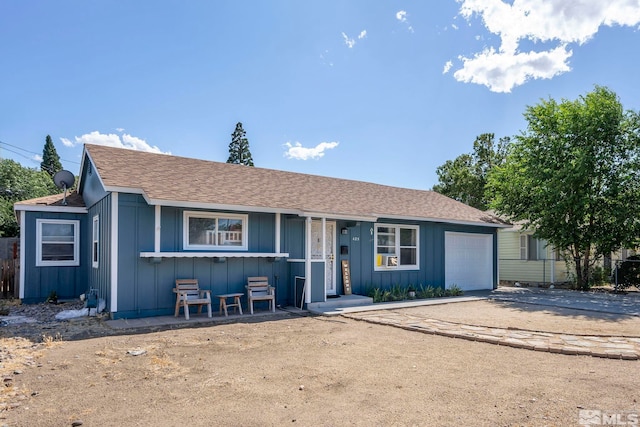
352, 42
401, 16
349, 42
454, 26
120, 130
66, 142
113, 140
555, 23
298, 152
37, 158
447, 67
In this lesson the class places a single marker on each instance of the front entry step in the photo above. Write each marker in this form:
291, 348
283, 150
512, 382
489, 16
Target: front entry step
340, 302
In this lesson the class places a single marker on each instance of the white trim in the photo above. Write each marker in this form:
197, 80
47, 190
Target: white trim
214, 215
446, 221
216, 206
76, 243
95, 238
303, 260
277, 232
157, 228
336, 216
398, 248
214, 255
307, 257
47, 208
22, 254
114, 253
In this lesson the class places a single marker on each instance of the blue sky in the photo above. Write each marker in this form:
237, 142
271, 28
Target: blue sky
380, 91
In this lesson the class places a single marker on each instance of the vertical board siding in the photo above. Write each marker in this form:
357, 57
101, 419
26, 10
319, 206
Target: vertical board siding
92, 190
361, 248
145, 286
68, 282
100, 278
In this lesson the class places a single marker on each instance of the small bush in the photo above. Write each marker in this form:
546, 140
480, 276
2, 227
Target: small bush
628, 273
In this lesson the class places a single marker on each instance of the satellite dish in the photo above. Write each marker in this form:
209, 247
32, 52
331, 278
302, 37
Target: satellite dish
64, 179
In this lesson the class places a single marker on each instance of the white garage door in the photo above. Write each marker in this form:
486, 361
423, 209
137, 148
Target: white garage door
468, 260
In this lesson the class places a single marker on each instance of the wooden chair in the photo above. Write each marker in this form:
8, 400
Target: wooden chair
189, 293
258, 289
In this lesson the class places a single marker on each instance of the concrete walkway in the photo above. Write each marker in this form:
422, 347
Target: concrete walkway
627, 348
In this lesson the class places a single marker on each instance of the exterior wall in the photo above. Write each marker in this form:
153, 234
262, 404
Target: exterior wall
39, 282
91, 188
145, 285
100, 277
513, 269
431, 255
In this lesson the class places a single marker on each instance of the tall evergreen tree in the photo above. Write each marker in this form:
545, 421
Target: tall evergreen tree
239, 147
50, 159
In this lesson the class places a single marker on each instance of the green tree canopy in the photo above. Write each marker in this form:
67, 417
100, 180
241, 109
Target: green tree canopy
19, 183
464, 178
50, 159
574, 177
239, 147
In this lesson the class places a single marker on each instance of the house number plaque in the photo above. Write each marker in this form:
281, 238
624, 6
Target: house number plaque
346, 277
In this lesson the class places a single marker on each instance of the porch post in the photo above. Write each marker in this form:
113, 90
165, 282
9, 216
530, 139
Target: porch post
156, 242
324, 256
307, 260
277, 239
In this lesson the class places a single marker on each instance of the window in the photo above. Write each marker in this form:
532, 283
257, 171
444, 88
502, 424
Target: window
95, 241
396, 247
57, 242
532, 249
204, 230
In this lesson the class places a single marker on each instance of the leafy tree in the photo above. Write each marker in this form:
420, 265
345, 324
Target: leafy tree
464, 178
239, 147
50, 159
18, 183
574, 177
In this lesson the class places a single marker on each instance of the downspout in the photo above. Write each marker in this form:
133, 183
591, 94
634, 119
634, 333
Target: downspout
307, 260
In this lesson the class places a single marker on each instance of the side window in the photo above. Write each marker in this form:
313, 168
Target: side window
95, 241
57, 242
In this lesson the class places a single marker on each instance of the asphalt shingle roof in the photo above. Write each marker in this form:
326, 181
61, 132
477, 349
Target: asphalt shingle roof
165, 178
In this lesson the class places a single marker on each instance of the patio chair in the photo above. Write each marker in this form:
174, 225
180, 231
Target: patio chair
258, 289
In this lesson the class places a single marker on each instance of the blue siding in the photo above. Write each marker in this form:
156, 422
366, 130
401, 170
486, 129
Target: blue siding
432, 263
100, 277
145, 286
67, 282
91, 189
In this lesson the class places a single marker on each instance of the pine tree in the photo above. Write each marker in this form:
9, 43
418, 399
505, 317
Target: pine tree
239, 147
50, 159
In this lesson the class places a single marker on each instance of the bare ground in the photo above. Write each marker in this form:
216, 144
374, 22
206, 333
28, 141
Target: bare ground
319, 371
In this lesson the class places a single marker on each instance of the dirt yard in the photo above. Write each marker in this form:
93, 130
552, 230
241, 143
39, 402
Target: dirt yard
319, 371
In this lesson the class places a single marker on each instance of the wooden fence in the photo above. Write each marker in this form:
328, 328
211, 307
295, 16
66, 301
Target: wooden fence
8, 276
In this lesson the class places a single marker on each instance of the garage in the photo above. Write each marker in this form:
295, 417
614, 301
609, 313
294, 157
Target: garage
468, 260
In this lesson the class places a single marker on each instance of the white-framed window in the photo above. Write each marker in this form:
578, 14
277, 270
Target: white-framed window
58, 242
95, 241
396, 247
209, 230
532, 249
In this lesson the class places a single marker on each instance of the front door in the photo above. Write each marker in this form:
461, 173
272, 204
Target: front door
329, 252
